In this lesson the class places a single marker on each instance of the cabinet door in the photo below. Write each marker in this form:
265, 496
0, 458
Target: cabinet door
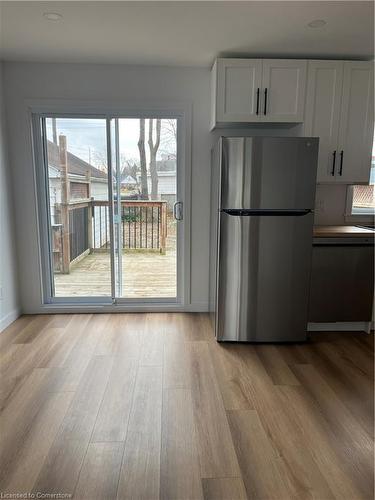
238, 87
356, 123
284, 82
322, 114
342, 283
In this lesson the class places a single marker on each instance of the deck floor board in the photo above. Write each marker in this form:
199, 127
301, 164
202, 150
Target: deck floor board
144, 275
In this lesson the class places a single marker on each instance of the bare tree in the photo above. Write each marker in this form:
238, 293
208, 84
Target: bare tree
154, 146
168, 141
142, 159
99, 160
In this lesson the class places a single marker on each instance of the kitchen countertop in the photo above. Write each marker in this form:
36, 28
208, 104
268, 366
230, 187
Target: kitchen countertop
341, 231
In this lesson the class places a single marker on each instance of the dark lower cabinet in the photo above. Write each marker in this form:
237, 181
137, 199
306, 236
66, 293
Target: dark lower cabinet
342, 280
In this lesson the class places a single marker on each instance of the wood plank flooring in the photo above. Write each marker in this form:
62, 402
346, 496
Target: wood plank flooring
150, 406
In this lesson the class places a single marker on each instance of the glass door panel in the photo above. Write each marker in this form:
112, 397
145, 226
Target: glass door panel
147, 188
76, 176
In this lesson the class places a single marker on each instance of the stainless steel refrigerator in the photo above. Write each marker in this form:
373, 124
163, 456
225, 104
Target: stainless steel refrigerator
263, 193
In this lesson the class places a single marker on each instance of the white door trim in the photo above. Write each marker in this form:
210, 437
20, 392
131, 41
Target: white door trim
182, 111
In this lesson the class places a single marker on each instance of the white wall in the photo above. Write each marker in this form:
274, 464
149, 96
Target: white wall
24, 81
9, 303
32, 81
330, 205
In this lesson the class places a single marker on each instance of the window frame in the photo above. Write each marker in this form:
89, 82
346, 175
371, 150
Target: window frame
349, 216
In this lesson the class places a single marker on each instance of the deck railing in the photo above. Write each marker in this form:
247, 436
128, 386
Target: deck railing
143, 226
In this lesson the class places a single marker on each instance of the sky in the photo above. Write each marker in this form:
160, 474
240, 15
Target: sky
86, 138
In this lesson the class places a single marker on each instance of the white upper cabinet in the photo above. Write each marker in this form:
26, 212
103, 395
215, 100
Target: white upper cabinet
238, 89
333, 99
339, 110
356, 122
323, 105
283, 82
258, 90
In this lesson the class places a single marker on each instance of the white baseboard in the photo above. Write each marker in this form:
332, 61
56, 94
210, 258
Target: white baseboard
119, 308
9, 318
197, 307
340, 326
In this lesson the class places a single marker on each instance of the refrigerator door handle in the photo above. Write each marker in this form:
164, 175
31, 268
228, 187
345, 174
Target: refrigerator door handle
242, 212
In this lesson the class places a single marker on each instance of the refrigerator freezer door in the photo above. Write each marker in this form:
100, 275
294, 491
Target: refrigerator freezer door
268, 172
263, 278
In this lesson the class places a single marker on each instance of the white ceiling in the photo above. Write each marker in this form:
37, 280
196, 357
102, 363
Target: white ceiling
184, 33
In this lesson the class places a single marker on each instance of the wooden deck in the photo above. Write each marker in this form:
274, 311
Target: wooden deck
145, 274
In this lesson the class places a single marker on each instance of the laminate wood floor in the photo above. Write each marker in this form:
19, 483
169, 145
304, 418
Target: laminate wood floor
149, 406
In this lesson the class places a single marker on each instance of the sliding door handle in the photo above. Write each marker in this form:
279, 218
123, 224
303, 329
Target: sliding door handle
178, 212
257, 111
265, 101
333, 163
341, 161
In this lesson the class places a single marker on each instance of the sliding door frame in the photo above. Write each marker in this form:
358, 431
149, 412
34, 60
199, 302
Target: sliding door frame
179, 111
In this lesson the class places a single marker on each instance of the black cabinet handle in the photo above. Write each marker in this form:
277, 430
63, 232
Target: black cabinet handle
257, 112
341, 161
333, 163
265, 101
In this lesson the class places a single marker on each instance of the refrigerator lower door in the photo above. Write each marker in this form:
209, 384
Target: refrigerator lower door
263, 278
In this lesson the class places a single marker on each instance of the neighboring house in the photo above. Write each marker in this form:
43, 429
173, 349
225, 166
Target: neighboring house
167, 185
166, 164
78, 173
128, 181
130, 189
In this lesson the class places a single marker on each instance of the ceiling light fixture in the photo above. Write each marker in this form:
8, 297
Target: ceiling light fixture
52, 16
317, 23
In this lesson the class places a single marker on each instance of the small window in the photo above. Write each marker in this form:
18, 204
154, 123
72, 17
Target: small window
364, 196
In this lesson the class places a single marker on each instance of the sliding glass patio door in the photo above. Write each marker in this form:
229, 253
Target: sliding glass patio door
110, 196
